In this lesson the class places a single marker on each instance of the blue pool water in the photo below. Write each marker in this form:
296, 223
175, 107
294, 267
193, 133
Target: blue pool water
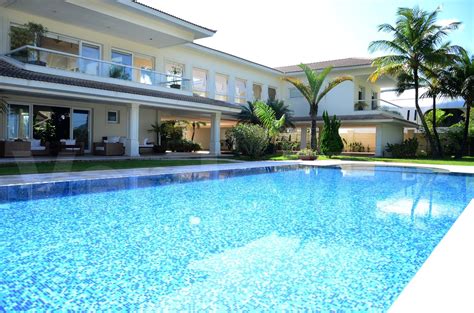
273, 238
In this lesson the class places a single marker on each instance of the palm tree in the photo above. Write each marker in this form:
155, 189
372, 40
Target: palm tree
267, 116
459, 82
196, 125
313, 92
416, 45
247, 113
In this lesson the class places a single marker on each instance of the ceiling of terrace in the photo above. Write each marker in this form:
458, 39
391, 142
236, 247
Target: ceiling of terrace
111, 17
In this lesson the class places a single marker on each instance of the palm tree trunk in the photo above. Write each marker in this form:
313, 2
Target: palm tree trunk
466, 130
194, 130
313, 131
435, 131
422, 116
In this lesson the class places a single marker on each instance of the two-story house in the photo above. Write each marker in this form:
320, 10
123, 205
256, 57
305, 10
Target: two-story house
114, 67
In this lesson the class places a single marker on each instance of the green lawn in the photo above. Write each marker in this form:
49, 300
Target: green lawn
469, 161
78, 166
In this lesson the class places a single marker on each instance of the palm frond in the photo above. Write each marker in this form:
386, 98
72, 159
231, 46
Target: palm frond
332, 84
298, 84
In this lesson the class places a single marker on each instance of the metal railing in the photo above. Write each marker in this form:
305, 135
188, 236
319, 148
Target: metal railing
95, 67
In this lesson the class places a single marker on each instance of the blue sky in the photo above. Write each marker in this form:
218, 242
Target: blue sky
286, 32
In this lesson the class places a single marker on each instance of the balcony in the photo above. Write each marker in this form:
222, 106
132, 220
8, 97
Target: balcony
116, 72
377, 105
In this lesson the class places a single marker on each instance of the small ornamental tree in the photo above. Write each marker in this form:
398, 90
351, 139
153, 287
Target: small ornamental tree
250, 140
331, 141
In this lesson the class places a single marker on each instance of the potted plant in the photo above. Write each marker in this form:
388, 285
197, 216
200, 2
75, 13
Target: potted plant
29, 34
307, 155
176, 72
360, 105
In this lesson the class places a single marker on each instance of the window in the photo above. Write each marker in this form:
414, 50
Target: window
374, 99
257, 91
92, 52
240, 91
145, 64
18, 121
113, 117
408, 115
272, 93
121, 72
361, 95
415, 115
222, 86
200, 82
174, 74
295, 93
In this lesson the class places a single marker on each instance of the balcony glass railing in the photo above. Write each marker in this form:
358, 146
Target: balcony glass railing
377, 105
79, 64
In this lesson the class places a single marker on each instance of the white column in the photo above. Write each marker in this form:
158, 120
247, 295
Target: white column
215, 143
304, 142
132, 144
264, 93
211, 84
249, 90
378, 141
158, 121
231, 90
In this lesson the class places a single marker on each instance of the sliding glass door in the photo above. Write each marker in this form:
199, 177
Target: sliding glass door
81, 127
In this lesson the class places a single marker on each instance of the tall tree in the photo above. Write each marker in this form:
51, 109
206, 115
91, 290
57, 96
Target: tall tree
314, 92
459, 82
417, 43
196, 125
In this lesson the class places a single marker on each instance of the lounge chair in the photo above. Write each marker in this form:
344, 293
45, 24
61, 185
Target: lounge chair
37, 149
147, 145
110, 146
71, 147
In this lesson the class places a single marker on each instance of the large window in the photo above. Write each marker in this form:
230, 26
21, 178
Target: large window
90, 51
121, 72
200, 82
361, 94
240, 91
374, 102
175, 72
257, 91
145, 64
272, 93
222, 87
18, 121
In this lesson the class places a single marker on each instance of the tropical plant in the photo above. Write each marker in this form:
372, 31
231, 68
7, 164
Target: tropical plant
459, 82
406, 149
250, 139
28, 34
360, 105
196, 125
168, 131
116, 71
416, 45
314, 92
439, 118
267, 117
247, 113
331, 141
307, 154
356, 146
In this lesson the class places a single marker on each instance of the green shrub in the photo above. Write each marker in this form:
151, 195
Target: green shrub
356, 147
183, 145
331, 141
307, 153
406, 149
250, 140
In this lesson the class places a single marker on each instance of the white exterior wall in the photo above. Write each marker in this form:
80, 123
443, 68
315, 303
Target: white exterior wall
187, 55
387, 133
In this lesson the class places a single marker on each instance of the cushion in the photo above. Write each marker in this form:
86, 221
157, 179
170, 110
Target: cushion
145, 141
68, 141
100, 148
113, 139
123, 140
73, 149
39, 148
35, 143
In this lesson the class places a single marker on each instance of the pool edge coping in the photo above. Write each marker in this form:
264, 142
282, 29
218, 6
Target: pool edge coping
26, 179
445, 281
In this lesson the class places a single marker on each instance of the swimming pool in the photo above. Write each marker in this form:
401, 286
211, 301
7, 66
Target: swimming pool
327, 238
